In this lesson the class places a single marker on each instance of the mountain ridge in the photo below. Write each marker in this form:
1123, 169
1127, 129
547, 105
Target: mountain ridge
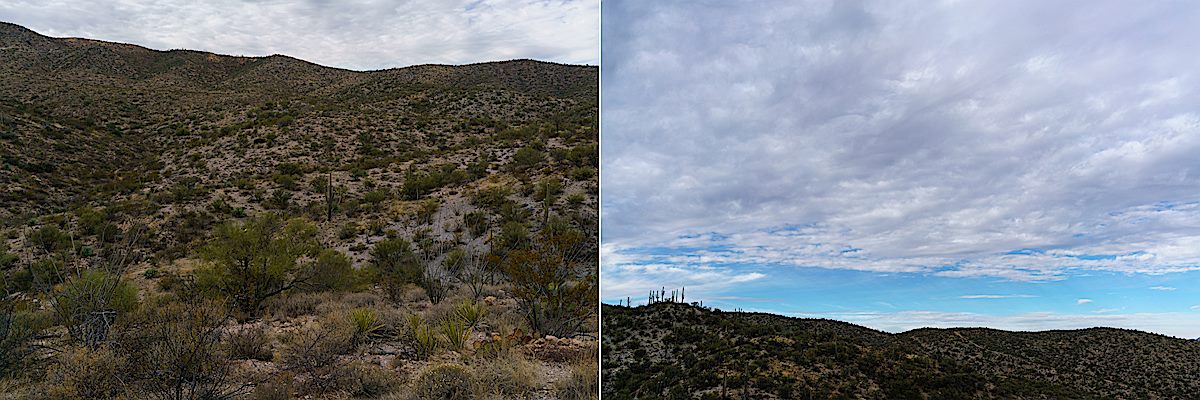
673, 349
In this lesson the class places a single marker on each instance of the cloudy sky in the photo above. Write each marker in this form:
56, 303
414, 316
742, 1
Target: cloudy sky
354, 34
1015, 164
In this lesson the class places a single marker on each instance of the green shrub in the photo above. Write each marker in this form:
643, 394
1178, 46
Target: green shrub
396, 264
255, 260
582, 173
17, 329
525, 158
331, 270
50, 239
89, 303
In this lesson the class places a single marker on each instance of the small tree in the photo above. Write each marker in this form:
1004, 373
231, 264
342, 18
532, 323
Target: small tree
255, 260
554, 299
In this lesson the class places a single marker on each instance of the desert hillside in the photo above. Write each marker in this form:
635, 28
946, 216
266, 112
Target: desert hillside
182, 224
671, 350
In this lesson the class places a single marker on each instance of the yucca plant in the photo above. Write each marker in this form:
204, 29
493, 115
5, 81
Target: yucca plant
456, 333
423, 338
365, 322
470, 313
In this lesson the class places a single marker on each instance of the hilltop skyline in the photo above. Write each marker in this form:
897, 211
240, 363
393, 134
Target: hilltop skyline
358, 35
900, 164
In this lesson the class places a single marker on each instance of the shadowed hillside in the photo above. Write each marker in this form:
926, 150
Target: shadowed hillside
670, 350
182, 224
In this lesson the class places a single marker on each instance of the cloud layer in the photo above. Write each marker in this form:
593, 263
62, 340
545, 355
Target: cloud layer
355, 34
1024, 140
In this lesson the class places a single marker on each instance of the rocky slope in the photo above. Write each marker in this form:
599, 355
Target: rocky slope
111, 149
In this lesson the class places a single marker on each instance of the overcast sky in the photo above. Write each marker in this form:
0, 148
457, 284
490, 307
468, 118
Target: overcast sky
1018, 164
360, 35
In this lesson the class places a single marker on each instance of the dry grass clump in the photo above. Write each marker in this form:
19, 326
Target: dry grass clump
506, 377
249, 343
582, 383
83, 373
294, 305
316, 352
278, 388
443, 382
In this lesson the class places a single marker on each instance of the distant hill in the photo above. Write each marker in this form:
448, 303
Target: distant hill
670, 350
80, 110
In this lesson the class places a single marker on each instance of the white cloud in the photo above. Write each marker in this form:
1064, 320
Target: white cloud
1163, 288
355, 34
934, 139
1083, 301
997, 296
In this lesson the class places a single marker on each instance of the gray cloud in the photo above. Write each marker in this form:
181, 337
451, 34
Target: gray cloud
927, 137
361, 34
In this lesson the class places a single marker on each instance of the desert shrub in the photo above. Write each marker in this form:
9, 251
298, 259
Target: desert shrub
426, 211
367, 380
50, 239
396, 264
575, 199
525, 158
85, 373
280, 199
249, 343
454, 261
585, 155
582, 173
582, 381
252, 261
348, 231
316, 351
506, 377
491, 197
476, 222
45, 273
331, 270
89, 303
417, 184
17, 329
180, 352
553, 299
443, 382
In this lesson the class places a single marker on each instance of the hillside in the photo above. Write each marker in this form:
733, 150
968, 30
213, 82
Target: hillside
299, 201
670, 350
